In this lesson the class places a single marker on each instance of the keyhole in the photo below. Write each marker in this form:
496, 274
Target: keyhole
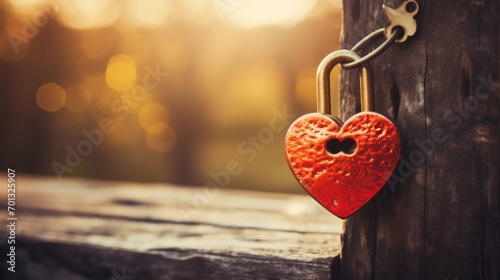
411, 7
334, 146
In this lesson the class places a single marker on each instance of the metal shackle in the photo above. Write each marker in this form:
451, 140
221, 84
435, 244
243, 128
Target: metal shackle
323, 80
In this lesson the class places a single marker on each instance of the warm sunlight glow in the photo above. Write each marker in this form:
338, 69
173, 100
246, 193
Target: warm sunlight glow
126, 132
97, 43
173, 55
305, 89
161, 137
121, 72
83, 14
103, 98
193, 10
50, 97
137, 45
336, 4
151, 114
78, 99
251, 91
26, 6
255, 13
146, 13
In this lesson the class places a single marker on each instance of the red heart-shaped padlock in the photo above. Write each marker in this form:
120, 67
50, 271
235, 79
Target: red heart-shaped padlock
342, 166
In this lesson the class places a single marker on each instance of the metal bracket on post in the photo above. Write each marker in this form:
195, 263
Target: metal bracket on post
402, 16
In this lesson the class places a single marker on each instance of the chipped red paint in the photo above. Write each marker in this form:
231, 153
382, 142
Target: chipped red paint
342, 183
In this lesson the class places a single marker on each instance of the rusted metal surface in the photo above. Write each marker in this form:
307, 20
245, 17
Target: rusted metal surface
342, 182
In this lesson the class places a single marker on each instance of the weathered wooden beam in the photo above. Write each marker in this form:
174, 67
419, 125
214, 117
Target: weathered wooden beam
439, 215
81, 229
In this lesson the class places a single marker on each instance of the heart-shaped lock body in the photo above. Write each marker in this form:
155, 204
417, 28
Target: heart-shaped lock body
342, 166
342, 182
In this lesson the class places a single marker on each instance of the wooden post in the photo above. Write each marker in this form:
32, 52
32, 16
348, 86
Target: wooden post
438, 217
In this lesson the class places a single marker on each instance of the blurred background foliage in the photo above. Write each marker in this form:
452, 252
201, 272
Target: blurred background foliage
220, 70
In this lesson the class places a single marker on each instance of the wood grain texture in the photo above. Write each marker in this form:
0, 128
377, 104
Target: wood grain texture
439, 216
82, 229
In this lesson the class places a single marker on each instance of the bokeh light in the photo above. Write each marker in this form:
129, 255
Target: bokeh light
26, 6
83, 14
78, 98
193, 11
251, 91
161, 137
162, 70
50, 97
148, 13
151, 114
121, 72
255, 13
